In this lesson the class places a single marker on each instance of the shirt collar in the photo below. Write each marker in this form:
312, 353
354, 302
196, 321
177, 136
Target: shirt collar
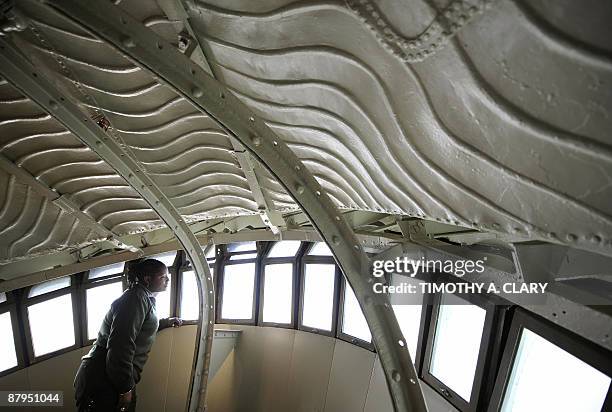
148, 292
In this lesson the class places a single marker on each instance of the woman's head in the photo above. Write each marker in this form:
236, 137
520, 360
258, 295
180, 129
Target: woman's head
149, 272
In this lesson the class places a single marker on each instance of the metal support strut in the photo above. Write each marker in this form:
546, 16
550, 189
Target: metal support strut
31, 82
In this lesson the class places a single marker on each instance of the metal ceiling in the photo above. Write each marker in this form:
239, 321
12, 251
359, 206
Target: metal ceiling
492, 115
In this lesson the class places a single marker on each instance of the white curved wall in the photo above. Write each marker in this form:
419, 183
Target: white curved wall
276, 369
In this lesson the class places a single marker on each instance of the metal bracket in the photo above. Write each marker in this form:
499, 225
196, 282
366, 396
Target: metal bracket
166, 63
265, 212
31, 81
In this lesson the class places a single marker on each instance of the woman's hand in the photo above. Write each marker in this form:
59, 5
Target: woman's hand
168, 322
124, 401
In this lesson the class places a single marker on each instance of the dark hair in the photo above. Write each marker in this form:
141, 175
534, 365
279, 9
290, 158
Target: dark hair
147, 267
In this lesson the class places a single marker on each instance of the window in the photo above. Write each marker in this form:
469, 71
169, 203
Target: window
353, 321
210, 255
162, 300
2, 297
114, 269
49, 286
99, 300
238, 289
285, 248
190, 298
408, 308
278, 293
8, 355
456, 344
51, 325
409, 320
241, 247
318, 296
320, 249
243, 256
166, 258
545, 377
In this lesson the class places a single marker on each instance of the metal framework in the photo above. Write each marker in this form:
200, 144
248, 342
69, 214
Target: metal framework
166, 63
27, 78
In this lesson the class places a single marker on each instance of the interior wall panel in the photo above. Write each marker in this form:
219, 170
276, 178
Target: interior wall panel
378, 399
181, 362
310, 368
349, 378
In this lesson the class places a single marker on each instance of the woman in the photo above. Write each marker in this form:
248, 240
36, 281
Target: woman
108, 374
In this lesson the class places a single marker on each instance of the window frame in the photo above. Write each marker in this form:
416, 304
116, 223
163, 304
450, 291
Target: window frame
182, 265
304, 260
92, 285
86, 284
224, 260
11, 307
345, 336
75, 291
588, 352
265, 261
485, 366
424, 326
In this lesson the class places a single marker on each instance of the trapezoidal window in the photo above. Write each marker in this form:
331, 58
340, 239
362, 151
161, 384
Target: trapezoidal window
545, 377
190, 298
318, 297
456, 345
278, 293
98, 301
8, 355
238, 291
51, 324
353, 321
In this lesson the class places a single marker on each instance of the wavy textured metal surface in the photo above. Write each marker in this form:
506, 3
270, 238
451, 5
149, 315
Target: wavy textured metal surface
187, 153
491, 114
504, 128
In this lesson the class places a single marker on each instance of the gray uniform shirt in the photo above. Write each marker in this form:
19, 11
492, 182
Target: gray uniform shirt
126, 336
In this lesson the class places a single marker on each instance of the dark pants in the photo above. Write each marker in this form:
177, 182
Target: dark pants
93, 390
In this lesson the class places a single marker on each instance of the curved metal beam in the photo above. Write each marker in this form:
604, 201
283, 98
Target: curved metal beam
32, 82
153, 53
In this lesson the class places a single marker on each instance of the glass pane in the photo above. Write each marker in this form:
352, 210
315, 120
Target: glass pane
319, 296
244, 256
190, 299
409, 319
211, 253
457, 343
241, 246
114, 269
8, 356
278, 290
320, 249
49, 286
539, 380
353, 321
166, 258
98, 303
238, 283
2, 297
51, 324
286, 248
162, 300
